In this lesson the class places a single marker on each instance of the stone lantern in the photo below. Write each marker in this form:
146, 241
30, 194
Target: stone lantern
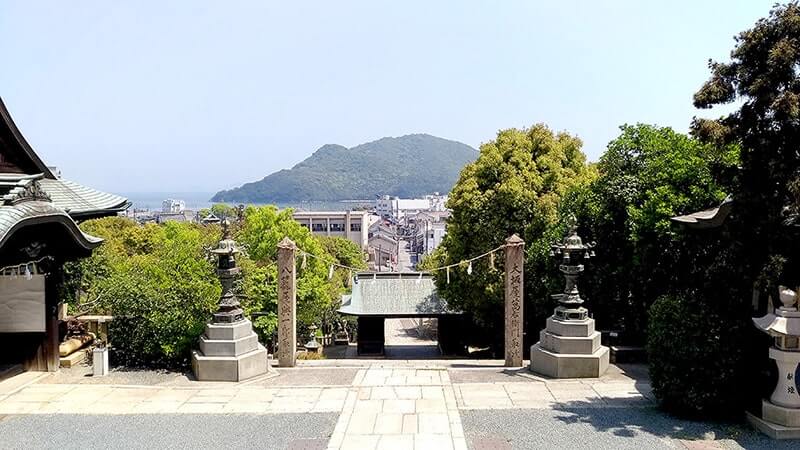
229, 349
569, 346
781, 413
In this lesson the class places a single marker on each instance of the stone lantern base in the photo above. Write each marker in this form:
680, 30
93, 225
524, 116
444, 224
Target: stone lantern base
777, 422
569, 349
229, 352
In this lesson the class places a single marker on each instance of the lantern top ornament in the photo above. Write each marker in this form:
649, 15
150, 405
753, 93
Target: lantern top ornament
226, 246
784, 322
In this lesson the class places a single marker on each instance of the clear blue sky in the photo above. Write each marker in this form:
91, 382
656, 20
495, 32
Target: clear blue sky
196, 95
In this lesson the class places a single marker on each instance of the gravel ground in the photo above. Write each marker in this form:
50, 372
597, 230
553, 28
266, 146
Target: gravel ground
593, 428
83, 375
273, 431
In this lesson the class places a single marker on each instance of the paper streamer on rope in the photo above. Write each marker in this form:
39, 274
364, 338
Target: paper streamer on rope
305, 261
469, 268
419, 278
448, 275
491, 260
330, 272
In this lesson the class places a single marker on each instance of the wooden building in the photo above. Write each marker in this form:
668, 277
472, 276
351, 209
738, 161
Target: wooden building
38, 233
393, 295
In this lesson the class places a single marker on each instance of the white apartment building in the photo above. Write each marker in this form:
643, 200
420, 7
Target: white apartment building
171, 206
429, 230
352, 225
397, 208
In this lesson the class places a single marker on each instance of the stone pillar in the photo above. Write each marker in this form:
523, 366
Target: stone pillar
287, 304
513, 302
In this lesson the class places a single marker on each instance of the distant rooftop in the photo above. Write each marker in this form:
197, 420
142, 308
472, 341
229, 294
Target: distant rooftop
394, 294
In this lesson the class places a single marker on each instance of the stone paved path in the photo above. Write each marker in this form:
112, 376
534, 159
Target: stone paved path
379, 405
400, 409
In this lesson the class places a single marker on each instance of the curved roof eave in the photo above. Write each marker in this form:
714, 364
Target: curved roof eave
85, 241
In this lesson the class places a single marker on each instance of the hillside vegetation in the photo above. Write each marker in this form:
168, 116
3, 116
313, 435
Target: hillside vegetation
406, 166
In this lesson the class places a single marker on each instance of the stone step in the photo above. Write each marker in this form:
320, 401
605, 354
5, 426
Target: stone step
578, 345
233, 347
228, 332
230, 368
557, 365
570, 328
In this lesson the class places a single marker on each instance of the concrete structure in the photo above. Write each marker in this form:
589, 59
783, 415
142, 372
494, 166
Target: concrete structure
352, 225
569, 346
515, 272
428, 230
229, 349
780, 415
173, 206
383, 250
396, 208
287, 303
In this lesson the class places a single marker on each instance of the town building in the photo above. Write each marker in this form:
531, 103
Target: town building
39, 212
172, 206
396, 208
352, 225
383, 250
428, 229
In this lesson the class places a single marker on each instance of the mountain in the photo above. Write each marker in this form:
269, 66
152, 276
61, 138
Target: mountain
407, 166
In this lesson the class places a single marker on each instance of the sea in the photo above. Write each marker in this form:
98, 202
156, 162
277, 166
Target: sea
194, 201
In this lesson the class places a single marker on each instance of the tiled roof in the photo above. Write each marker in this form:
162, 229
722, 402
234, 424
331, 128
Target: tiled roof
12, 216
394, 294
80, 200
707, 218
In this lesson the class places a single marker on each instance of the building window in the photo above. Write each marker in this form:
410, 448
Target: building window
355, 227
304, 225
319, 227
337, 227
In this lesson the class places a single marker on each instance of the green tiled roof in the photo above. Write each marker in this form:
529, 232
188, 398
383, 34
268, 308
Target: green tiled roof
81, 200
394, 294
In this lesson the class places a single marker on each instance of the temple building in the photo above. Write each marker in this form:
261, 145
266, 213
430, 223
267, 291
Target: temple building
38, 234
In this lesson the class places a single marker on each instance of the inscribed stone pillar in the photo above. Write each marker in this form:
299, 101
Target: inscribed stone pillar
287, 306
513, 302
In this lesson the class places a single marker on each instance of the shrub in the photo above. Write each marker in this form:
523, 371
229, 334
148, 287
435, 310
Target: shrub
694, 358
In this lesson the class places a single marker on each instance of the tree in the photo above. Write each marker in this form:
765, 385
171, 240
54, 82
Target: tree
157, 281
515, 186
647, 175
263, 228
758, 248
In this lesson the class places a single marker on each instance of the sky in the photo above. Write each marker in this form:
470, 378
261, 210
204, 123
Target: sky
198, 96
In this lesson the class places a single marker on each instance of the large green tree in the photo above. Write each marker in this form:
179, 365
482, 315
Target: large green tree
648, 174
156, 280
722, 371
515, 186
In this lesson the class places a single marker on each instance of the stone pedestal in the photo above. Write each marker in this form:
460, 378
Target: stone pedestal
229, 349
569, 349
229, 352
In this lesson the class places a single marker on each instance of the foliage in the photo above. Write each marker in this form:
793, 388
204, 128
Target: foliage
317, 296
756, 246
696, 369
406, 166
158, 283
347, 253
515, 186
647, 175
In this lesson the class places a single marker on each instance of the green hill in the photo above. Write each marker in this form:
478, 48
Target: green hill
407, 166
